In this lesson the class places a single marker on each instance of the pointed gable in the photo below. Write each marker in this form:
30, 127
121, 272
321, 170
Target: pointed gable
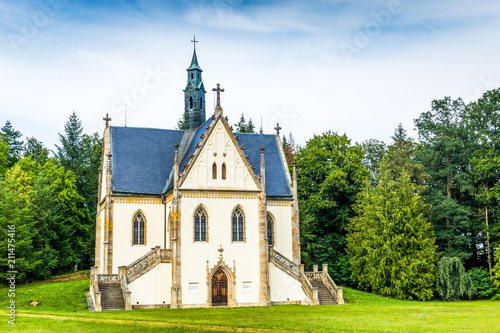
216, 155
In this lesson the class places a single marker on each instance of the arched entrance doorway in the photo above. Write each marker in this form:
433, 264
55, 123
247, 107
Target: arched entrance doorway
219, 288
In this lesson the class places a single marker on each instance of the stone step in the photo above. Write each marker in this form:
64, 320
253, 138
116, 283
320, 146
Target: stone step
111, 296
324, 295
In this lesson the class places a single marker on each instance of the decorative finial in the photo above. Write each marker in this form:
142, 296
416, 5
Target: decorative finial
277, 128
194, 41
107, 120
262, 149
218, 90
220, 251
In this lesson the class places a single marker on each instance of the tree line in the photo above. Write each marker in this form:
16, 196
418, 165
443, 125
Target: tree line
408, 219
411, 219
50, 197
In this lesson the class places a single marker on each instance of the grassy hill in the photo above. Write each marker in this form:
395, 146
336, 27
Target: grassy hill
62, 308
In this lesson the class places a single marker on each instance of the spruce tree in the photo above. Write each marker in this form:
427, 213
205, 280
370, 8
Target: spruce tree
389, 242
11, 137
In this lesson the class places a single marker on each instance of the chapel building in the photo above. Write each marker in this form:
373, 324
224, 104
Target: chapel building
199, 217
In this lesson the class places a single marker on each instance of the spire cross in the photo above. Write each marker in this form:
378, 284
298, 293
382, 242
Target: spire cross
219, 90
194, 41
106, 119
277, 128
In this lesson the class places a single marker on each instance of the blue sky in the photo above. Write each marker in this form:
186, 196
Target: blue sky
354, 67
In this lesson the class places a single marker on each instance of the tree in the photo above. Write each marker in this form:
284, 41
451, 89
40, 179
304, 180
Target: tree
484, 118
375, 151
481, 280
4, 157
11, 137
243, 127
81, 154
289, 148
36, 150
390, 243
446, 145
401, 156
181, 123
330, 175
452, 283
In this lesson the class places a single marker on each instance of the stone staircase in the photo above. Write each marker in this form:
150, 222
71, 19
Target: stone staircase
325, 297
111, 296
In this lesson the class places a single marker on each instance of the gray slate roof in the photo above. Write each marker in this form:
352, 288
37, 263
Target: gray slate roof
143, 159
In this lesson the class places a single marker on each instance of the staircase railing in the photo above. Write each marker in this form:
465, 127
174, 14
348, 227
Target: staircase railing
147, 262
323, 276
292, 269
337, 292
127, 294
95, 294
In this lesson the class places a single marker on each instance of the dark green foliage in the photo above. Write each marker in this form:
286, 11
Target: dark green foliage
43, 204
36, 151
401, 156
330, 175
390, 243
452, 282
11, 137
243, 127
446, 145
482, 282
81, 154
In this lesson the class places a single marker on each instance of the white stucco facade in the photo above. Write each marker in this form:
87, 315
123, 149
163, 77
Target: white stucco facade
219, 180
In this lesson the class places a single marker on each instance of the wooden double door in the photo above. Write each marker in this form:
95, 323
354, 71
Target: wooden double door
219, 289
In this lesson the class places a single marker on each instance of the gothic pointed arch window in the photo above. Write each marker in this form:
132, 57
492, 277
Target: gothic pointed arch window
190, 102
270, 230
200, 225
223, 170
139, 229
214, 171
238, 225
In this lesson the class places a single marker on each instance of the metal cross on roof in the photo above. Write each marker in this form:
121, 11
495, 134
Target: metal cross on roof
194, 41
107, 120
277, 128
219, 90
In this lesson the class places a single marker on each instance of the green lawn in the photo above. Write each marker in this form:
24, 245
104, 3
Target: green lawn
62, 308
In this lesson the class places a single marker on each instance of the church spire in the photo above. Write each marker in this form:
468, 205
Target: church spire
194, 94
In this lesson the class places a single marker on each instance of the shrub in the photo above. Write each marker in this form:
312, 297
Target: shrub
481, 281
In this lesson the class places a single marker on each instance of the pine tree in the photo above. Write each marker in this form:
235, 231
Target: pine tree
390, 244
241, 126
11, 137
401, 156
452, 282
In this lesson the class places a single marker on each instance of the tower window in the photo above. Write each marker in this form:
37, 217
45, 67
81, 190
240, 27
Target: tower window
201, 102
224, 171
191, 76
190, 102
199, 76
214, 171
